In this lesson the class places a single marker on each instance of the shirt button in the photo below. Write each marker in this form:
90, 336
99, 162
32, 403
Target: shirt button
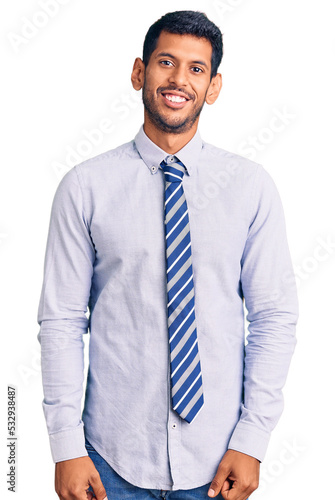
153, 169
170, 159
174, 426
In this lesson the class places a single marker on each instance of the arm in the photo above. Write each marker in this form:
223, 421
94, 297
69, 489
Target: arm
68, 269
269, 290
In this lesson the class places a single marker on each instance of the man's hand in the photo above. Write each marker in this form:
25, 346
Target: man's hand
73, 477
237, 476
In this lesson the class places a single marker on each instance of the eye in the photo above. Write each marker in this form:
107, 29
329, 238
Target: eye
165, 61
198, 70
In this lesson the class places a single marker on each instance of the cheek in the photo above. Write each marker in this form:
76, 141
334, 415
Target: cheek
154, 78
151, 87
200, 94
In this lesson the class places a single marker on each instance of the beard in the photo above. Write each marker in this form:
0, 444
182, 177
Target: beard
170, 125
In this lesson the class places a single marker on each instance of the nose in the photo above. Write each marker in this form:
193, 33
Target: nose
178, 76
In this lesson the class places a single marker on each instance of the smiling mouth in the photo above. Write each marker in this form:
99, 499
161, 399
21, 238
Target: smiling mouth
174, 98
174, 101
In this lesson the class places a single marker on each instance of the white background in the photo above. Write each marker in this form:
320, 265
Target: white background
73, 72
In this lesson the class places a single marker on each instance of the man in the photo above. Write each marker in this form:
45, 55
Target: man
163, 239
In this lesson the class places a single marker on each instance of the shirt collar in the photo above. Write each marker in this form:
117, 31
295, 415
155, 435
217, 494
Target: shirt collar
153, 155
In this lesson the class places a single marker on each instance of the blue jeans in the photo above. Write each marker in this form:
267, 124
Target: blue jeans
118, 488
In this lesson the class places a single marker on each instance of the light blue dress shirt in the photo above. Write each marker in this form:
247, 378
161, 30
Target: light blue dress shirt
105, 273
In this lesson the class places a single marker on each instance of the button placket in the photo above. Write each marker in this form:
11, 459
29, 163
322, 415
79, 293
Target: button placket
174, 438
170, 159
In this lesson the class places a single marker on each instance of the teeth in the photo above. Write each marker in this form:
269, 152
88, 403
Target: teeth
175, 98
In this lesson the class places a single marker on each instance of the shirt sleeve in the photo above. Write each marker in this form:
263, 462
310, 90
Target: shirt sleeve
68, 269
269, 291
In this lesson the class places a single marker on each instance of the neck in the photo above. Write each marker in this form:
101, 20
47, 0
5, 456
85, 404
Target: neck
170, 143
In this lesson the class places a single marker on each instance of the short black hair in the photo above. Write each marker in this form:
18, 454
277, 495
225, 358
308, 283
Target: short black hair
186, 22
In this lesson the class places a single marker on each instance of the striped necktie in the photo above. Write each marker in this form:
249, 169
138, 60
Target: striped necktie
186, 378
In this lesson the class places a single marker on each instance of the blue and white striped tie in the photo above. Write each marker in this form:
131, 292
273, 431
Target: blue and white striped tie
186, 378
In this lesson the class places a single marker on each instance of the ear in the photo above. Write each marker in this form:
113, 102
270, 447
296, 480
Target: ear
214, 89
137, 75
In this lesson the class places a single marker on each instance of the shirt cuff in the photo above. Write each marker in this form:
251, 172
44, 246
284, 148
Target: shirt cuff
249, 440
68, 444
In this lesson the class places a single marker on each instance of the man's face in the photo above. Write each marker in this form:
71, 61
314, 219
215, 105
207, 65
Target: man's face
176, 81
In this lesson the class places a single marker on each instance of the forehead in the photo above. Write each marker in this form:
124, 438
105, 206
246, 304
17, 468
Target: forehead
188, 47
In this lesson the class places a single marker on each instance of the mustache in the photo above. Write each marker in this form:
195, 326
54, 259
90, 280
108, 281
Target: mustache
164, 89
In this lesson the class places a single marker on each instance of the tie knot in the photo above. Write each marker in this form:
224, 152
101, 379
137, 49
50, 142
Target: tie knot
174, 172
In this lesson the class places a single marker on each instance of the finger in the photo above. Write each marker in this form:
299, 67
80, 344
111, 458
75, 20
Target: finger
212, 492
241, 491
98, 487
76, 494
220, 482
226, 485
236, 492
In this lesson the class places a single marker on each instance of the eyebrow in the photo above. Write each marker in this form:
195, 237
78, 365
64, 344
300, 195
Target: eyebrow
166, 54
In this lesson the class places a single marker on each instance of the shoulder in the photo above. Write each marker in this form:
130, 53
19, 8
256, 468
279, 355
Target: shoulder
219, 155
100, 167
234, 164
124, 152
